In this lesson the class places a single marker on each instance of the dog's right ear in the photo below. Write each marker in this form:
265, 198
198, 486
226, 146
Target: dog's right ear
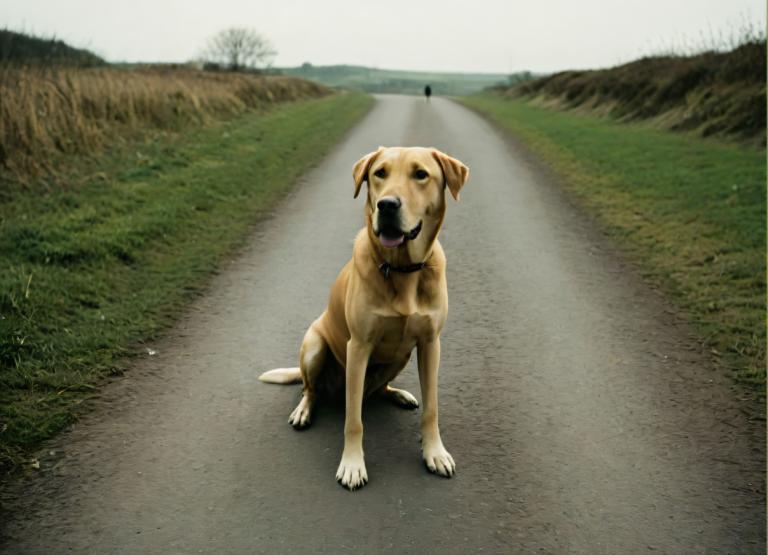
361, 167
454, 172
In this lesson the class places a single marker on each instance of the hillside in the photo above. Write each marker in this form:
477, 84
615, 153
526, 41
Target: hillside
395, 81
20, 48
710, 94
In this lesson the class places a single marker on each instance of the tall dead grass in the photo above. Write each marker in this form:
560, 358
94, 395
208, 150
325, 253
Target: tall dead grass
46, 113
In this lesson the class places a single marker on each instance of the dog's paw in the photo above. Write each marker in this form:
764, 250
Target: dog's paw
403, 399
352, 473
301, 416
439, 461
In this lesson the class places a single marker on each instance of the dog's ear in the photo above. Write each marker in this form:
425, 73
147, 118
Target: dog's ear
454, 172
361, 167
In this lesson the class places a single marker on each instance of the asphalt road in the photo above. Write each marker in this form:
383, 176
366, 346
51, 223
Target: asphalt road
580, 412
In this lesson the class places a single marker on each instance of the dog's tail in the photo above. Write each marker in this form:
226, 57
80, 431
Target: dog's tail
282, 376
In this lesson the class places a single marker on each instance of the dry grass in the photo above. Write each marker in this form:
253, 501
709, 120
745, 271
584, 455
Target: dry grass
47, 113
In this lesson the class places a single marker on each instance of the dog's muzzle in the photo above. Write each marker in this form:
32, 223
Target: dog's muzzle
392, 236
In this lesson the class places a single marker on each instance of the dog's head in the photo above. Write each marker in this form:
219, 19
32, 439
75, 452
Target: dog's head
406, 190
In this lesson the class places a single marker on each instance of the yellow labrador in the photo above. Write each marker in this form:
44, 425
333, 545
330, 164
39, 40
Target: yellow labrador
389, 298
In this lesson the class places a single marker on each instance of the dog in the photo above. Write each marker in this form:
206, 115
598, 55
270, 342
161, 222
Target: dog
390, 298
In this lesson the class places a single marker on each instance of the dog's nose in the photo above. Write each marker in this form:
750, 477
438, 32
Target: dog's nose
388, 205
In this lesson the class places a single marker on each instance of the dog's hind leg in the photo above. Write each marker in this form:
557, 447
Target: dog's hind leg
282, 376
400, 397
312, 356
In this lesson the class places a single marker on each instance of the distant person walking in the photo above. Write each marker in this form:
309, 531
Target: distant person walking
427, 92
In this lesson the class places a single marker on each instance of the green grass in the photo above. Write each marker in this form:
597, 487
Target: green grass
691, 211
92, 271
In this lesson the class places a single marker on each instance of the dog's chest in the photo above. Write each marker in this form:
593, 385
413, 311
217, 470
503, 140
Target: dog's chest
398, 336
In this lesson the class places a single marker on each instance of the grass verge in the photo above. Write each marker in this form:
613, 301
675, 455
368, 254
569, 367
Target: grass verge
691, 211
89, 272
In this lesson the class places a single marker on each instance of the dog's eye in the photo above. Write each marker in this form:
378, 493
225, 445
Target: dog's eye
380, 173
420, 174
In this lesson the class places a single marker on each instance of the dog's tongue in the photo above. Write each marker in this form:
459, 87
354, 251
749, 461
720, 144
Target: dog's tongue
391, 242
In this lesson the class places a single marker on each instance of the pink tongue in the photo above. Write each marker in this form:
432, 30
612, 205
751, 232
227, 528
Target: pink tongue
390, 242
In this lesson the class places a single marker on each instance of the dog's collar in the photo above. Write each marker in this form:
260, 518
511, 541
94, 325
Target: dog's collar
386, 268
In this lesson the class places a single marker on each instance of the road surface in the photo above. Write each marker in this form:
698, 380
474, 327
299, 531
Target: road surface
579, 410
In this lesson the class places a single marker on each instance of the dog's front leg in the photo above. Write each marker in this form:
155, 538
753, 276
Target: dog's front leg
351, 473
436, 457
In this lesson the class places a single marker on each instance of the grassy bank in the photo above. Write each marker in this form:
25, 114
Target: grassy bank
28, 49
691, 211
712, 93
49, 114
90, 271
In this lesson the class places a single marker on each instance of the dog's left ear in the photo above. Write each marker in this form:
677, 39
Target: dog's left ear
454, 171
361, 167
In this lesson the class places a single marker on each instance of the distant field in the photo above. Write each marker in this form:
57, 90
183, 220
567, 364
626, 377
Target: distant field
396, 81
691, 211
110, 256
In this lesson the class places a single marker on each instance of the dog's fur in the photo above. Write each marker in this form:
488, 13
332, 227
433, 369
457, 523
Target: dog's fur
366, 335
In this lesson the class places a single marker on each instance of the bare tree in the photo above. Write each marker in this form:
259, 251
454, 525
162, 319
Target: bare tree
239, 48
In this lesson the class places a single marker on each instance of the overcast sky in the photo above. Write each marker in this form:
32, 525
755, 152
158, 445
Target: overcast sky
440, 35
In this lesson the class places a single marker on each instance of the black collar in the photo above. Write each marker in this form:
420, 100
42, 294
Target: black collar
386, 268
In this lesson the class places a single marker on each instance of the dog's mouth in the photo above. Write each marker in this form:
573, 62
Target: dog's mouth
391, 238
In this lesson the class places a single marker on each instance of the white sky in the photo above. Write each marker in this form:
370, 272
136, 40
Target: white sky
437, 35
